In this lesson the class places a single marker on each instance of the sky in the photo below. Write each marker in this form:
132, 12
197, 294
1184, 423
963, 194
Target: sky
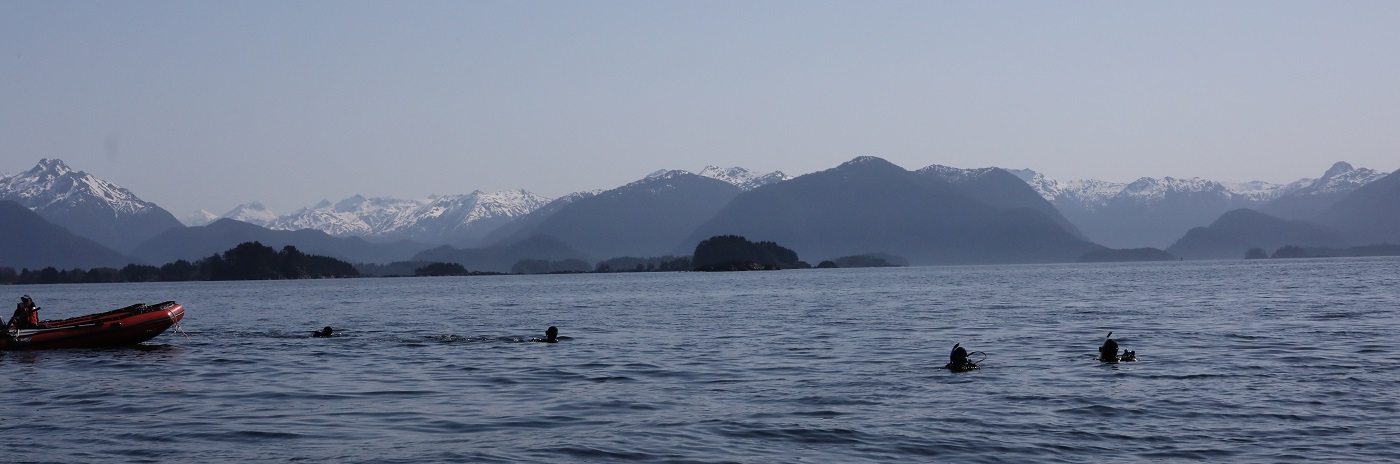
208, 105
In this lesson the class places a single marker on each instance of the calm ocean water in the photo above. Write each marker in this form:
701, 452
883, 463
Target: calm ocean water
1242, 361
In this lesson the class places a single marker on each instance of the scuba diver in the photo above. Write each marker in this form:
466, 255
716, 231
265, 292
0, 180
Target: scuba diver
26, 314
1108, 352
551, 335
957, 360
326, 332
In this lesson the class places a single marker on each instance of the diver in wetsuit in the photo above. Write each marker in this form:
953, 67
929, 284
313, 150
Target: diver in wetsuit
326, 332
551, 335
957, 360
1109, 352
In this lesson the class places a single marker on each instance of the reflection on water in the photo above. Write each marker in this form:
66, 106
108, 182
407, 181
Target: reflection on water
1239, 361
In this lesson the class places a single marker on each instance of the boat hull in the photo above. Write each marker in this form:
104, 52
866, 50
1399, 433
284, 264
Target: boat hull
127, 326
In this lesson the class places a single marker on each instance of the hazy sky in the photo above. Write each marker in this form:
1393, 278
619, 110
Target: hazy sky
197, 104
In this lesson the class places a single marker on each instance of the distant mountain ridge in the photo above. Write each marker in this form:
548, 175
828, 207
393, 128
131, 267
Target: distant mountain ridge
462, 220
1000, 188
866, 205
648, 217
869, 205
192, 243
1370, 215
1152, 212
1236, 231
741, 177
1309, 201
437, 219
253, 213
87, 206
29, 241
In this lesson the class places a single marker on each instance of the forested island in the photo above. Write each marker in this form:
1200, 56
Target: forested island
736, 253
1294, 251
255, 261
247, 261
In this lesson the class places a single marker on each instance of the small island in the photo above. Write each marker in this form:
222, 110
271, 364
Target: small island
723, 253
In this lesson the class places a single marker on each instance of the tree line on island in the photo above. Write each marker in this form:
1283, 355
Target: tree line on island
255, 261
1295, 252
247, 261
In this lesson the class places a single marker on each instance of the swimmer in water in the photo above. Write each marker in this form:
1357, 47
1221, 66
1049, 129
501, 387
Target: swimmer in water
1109, 352
326, 332
957, 360
551, 335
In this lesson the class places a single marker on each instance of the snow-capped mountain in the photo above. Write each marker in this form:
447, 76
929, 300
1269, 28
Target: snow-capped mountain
86, 205
736, 176
1093, 194
1148, 212
437, 219
1313, 196
1341, 178
53, 185
998, 188
252, 213
534, 218
353, 216
1260, 191
955, 175
199, 218
743, 178
458, 219
1155, 212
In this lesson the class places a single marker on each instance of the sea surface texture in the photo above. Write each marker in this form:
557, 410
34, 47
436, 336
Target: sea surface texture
1241, 361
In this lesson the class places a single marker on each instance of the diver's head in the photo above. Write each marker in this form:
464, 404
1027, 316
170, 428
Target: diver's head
551, 333
1109, 346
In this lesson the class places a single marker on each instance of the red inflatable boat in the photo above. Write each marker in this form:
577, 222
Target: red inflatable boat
127, 326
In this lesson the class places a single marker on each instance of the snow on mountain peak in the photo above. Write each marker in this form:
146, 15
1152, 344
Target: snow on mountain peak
427, 219
503, 204
660, 173
252, 213
1091, 194
53, 167
742, 177
664, 174
952, 174
349, 204
199, 218
53, 185
1338, 168
1342, 177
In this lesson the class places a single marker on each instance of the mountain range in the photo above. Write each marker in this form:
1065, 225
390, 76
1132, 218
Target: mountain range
87, 206
933, 215
869, 205
459, 220
1151, 212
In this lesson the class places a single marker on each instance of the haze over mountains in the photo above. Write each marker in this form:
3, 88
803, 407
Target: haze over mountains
933, 215
1155, 213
